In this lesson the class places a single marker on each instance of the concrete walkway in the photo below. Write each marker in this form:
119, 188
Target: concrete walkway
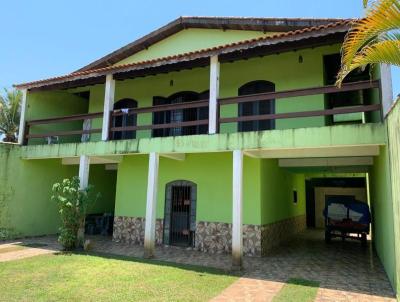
345, 270
28, 247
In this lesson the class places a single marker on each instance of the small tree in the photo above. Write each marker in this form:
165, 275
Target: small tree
72, 205
10, 110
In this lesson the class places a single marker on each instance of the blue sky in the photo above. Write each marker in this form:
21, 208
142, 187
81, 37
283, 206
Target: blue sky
40, 39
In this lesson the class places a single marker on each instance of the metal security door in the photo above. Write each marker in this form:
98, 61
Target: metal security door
180, 233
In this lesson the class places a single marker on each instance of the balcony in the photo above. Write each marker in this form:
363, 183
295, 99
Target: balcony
192, 117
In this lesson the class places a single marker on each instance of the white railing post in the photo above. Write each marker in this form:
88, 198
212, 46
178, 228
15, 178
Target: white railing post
108, 105
21, 129
151, 205
237, 207
84, 162
214, 94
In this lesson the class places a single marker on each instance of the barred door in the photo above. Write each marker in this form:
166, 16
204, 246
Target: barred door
180, 213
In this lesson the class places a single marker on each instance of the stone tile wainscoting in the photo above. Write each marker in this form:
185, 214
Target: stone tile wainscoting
278, 232
216, 237
131, 230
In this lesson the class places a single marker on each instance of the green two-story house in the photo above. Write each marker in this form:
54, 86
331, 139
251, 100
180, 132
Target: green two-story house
220, 134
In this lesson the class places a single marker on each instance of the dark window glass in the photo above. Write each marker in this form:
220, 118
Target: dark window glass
348, 98
180, 115
124, 120
256, 107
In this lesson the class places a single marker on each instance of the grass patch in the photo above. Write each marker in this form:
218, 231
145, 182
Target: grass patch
297, 290
96, 277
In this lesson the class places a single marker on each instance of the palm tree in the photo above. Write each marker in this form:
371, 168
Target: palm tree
374, 39
10, 105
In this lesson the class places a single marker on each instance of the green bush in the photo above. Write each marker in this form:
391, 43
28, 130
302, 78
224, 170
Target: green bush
72, 205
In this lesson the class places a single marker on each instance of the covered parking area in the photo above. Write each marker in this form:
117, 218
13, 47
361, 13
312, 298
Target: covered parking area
340, 265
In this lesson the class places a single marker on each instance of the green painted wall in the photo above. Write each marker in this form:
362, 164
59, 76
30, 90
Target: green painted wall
104, 182
212, 172
393, 123
285, 71
382, 211
54, 104
25, 191
277, 185
191, 39
267, 195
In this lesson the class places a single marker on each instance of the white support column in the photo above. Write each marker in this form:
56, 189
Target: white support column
151, 204
237, 206
84, 162
21, 129
108, 105
214, 94
386, 87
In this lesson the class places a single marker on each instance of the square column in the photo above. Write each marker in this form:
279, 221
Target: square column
237, 209
386, 88
21, 129
84, 162
151, 205
214, 94
108, 105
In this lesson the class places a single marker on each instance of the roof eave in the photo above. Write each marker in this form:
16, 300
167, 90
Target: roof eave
224, 23
222, 50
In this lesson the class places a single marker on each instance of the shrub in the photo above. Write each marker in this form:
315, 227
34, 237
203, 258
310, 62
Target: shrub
72, 205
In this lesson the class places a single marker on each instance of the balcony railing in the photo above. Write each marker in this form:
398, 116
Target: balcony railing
355, 86
61, 120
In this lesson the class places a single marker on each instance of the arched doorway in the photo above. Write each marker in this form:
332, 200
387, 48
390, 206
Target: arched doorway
256, 107
180, 213
124, 120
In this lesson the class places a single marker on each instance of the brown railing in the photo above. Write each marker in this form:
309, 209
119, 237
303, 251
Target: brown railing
356, 86
299, 93
160, 108
58, 120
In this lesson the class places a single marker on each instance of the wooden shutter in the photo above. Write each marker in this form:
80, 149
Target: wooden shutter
160, 117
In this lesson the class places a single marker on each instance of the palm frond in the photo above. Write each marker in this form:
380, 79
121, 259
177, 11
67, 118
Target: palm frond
382, 17
382, 52
380, 24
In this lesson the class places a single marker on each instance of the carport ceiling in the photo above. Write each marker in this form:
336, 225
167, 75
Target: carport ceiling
317, 152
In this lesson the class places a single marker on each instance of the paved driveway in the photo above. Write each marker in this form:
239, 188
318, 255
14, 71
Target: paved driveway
345, 270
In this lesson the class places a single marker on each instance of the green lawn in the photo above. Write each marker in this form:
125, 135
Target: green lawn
78, 277
297, 290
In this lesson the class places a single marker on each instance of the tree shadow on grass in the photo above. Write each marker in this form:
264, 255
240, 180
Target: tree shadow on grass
190, 267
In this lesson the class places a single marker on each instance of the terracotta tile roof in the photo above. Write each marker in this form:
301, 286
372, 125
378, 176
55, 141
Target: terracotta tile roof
222, 23
340, 26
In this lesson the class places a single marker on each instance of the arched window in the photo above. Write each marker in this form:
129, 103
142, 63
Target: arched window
256, 107
180, 213
124, 120
180, 115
